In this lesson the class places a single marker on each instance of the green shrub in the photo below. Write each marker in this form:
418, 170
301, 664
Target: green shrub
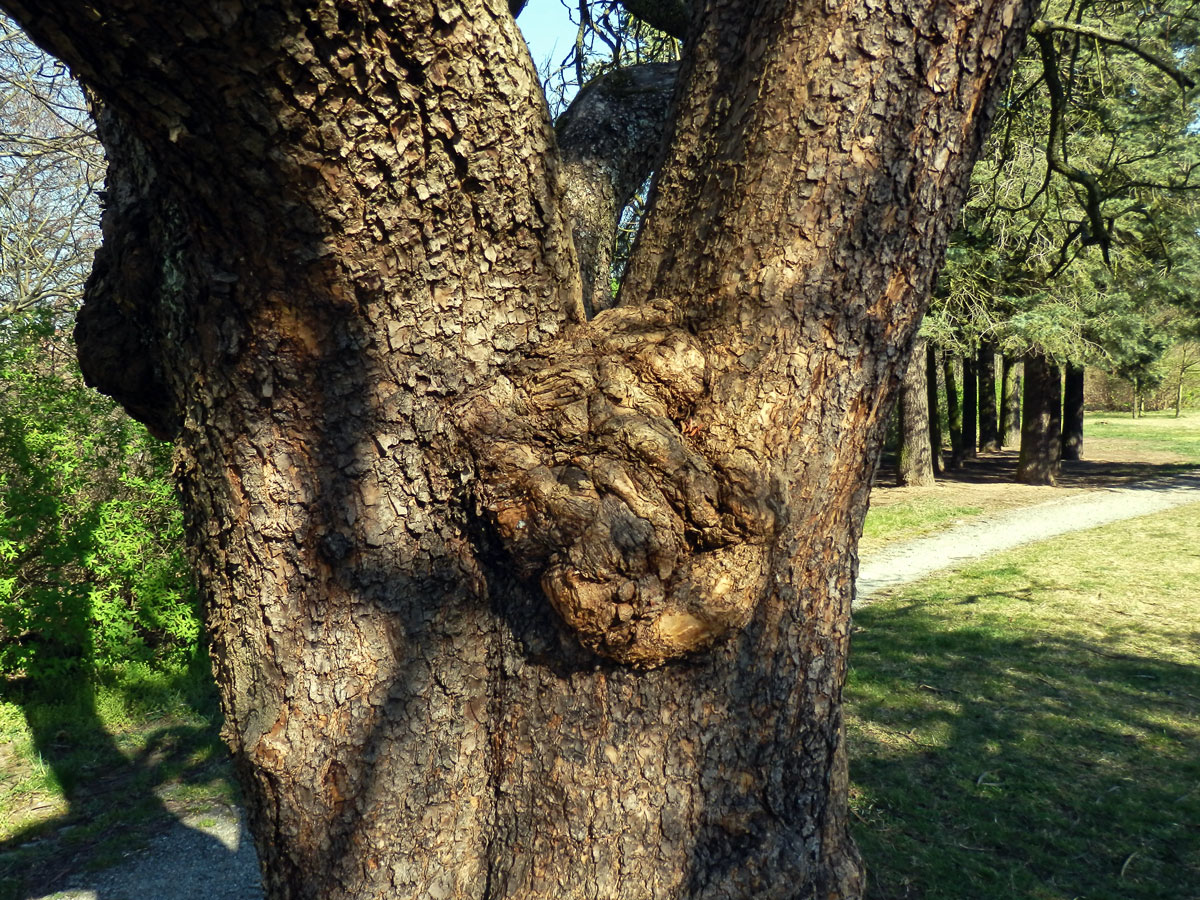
91, 563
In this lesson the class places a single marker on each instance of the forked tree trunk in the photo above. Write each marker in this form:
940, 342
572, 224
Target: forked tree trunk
989, 419
1072, 431
914, 464
1010, 409
505, 603
970, 406
1041, 422
935, 419
953, 412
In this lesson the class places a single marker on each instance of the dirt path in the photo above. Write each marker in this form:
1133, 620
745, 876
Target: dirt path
899, 564
203, 857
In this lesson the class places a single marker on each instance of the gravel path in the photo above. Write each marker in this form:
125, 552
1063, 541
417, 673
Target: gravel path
204, 857
903, 563
211, 857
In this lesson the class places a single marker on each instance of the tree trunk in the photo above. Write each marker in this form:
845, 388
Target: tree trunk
935, 421
915, 461
953, 413
1179, 396
504, 602
1010, 422
970, 406
1072, 434
1041, 421
989, 420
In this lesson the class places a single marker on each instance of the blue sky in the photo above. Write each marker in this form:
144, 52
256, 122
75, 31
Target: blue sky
547, 29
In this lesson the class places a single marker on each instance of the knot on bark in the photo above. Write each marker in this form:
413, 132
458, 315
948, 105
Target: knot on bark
648, 543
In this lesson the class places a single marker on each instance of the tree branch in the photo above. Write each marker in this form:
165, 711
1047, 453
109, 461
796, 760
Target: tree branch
1054, 159
1185, 81
670, 16
610, 138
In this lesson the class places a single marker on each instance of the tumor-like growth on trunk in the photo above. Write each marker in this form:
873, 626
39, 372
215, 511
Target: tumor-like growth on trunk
647, 541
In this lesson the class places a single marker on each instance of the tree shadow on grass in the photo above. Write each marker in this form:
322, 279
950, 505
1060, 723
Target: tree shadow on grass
1001, 468
987, 762
114, 797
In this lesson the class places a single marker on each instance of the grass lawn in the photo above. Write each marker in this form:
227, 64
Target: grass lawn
1030, 726
1156, 431
1116, 450
914, 518
91, 772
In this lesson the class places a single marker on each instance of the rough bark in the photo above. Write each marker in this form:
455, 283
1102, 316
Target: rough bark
935, 419
914, 463
970, 406
989, 419
611, 137
1072, 419
1010, 408
422, 489
1041, 422
953, 412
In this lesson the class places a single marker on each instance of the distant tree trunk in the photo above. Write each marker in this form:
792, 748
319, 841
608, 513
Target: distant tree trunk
970, 411
953, 412
1010, 411
1179, 396
935, 420
914, 463
1041, 423
1072, 436
989, 419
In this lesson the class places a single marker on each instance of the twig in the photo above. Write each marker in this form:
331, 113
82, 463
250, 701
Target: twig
930, 687
1127, 862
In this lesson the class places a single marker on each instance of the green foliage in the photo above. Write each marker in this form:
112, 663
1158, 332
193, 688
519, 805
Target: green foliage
1078, 238
91, 566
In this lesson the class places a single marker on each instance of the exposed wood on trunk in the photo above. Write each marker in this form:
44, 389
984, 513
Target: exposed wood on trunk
1041, 422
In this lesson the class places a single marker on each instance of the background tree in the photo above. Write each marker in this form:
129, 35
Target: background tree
1010, 408
92, 573
1041, 422
989, 413
505, 601
914, 462
1079, 205
932, 402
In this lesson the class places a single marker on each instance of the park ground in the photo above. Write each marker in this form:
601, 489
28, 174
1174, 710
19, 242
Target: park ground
1025, 727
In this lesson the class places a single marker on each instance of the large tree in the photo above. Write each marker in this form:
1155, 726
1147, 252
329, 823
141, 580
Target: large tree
506, 601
